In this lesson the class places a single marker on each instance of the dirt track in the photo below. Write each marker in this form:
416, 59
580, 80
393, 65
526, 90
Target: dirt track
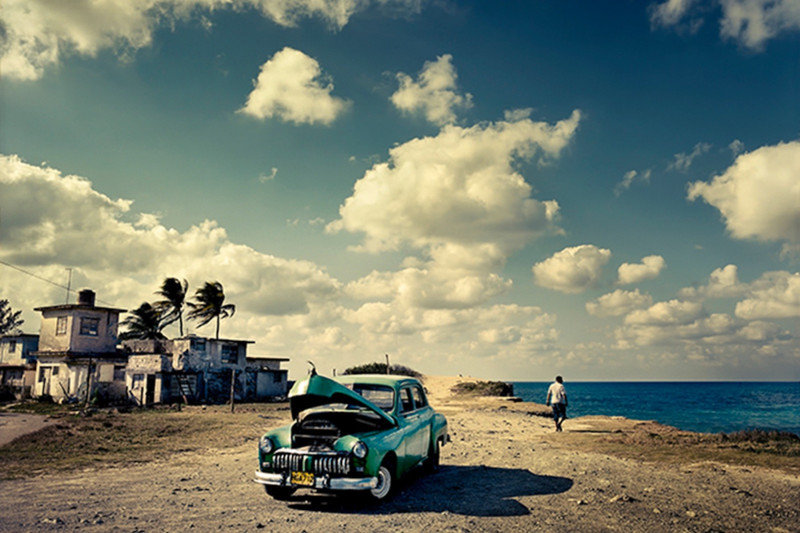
504, 471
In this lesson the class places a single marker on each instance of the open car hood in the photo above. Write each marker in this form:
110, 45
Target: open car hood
316, 390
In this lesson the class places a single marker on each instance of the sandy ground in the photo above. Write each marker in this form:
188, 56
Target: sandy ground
504, 471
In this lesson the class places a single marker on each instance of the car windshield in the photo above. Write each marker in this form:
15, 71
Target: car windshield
380, 395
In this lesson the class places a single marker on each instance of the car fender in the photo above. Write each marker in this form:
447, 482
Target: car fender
380, 445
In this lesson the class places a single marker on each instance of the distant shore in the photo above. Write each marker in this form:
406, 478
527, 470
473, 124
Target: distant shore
706, 407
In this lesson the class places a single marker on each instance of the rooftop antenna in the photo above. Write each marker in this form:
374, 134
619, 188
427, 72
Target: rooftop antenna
69, 284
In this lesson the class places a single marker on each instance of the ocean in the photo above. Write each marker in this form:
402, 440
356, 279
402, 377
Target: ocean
705, 407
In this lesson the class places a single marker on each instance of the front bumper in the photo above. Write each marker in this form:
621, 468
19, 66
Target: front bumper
323, 482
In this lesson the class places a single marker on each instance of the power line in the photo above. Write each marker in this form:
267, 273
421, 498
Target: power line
35, 275
68, 289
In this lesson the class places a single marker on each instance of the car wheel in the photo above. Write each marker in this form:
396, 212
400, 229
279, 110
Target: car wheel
279, 493
385, 482
432, 463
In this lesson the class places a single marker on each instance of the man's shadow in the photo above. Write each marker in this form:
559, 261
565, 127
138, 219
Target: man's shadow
464, 490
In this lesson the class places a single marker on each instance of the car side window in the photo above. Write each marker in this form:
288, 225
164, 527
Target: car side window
419, 397
406, 401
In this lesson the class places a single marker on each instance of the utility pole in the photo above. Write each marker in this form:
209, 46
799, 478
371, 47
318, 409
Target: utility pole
69, 284
233, 386
89, 382
387, 364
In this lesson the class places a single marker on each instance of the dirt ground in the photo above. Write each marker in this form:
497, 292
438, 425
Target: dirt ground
13, 425
504, 471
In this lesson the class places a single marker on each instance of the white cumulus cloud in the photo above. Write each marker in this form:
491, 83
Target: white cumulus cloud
457, 194
629, 178
670, 12
38, 34
572, 270
774, 295
758, 195
52, 221
434, 93
650, 267
431, 288
292, 87
424, 313
702, 336
682, 162
667, 313
618, 303
722, 283
751, 23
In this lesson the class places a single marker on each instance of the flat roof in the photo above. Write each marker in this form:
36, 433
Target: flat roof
193, 337
268, 358
82, 307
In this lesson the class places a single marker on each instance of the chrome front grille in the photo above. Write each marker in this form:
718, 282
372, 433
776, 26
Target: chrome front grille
318, 463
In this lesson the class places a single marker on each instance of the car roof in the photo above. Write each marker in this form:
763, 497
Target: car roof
390, 380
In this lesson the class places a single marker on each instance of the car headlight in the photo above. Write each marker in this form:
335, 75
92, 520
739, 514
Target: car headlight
266, 445
360, 450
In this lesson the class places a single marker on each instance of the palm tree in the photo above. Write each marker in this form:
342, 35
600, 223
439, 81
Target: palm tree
10, 320
143, 323
171, 307
209, 304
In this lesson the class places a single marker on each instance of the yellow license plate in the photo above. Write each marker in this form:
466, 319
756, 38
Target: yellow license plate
305, 479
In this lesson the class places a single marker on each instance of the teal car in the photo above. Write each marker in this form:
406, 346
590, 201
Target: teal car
354, 433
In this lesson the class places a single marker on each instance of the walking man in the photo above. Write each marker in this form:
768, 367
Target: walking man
557, 397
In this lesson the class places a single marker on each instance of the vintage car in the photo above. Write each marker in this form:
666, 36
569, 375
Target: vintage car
355, 433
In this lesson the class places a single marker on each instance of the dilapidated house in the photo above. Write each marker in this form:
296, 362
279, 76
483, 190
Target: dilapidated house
17, 364
78, 352
198, 369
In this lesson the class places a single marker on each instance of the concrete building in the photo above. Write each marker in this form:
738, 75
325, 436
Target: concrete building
266, 378
18, 348
197, 369
17, 364
78, 352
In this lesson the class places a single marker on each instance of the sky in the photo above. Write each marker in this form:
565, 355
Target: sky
506, 190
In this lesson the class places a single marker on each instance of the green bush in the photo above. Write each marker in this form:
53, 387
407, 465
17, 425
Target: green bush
484, 388
380, 368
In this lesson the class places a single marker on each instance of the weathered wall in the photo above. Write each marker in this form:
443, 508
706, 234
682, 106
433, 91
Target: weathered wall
15, 349
148, 364
50, 340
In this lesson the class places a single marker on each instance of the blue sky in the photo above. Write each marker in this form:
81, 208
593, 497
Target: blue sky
506, 190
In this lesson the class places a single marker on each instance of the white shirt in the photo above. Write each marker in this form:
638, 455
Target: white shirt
556, 393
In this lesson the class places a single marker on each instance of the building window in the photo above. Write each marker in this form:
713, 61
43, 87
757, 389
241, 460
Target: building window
90, 326
199, 345
41, 374
277, 377
230, 354
119, 372
61, 325
12, 346
55, 370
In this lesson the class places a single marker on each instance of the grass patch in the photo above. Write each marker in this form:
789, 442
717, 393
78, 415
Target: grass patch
653, 442
110, 437
483, 388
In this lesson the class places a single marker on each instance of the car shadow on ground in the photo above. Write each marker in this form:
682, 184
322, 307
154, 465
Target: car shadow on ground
465, 490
